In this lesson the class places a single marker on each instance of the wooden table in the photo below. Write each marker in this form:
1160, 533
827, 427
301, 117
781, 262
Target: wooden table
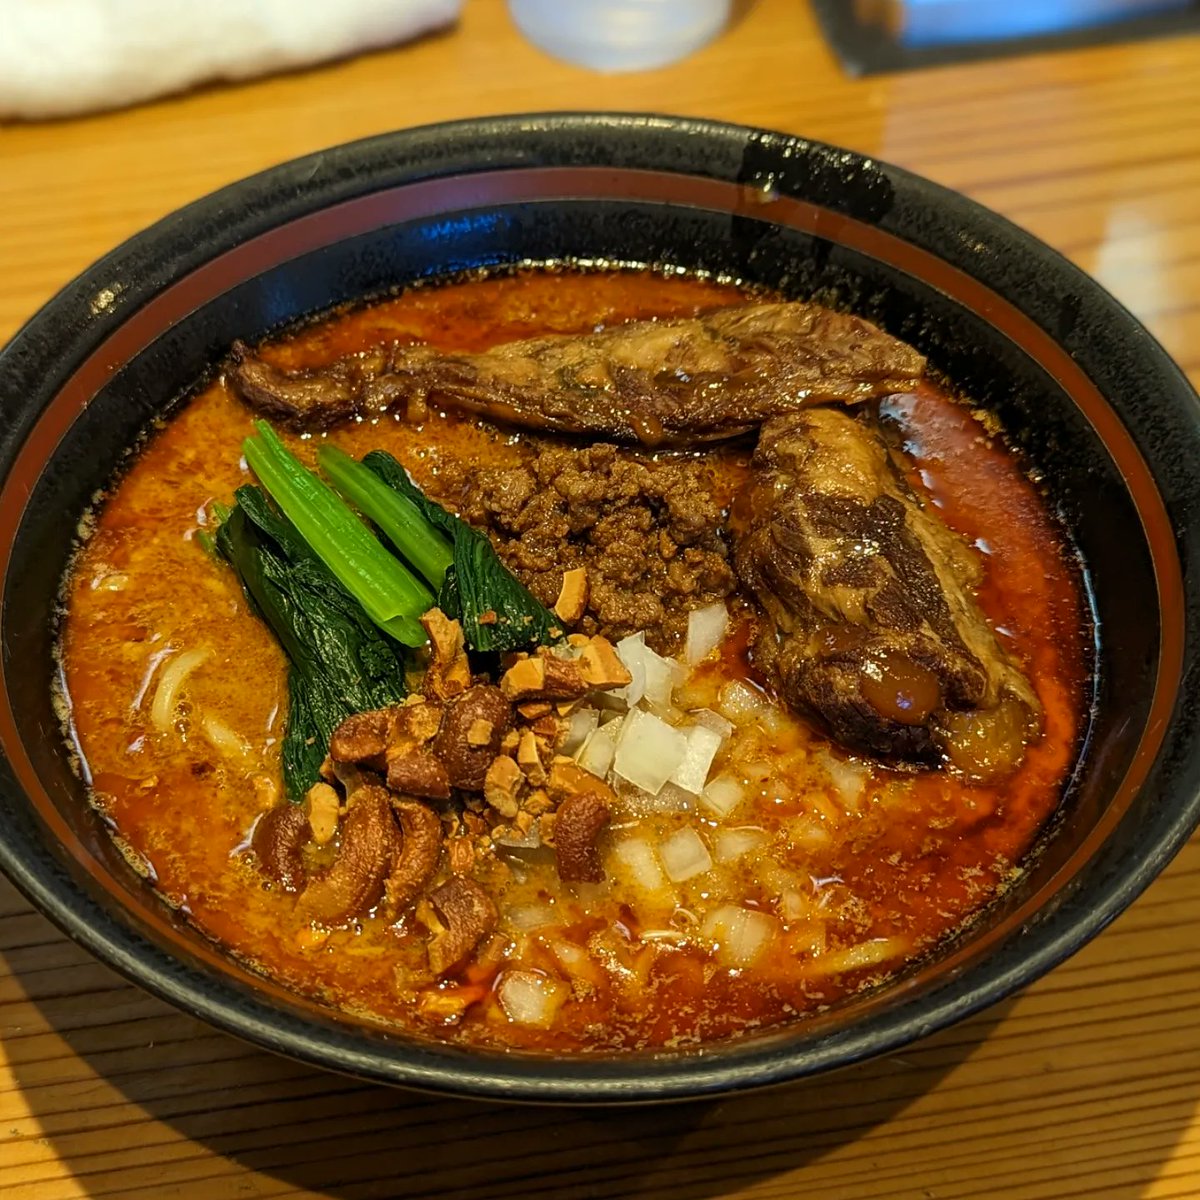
1085, 1085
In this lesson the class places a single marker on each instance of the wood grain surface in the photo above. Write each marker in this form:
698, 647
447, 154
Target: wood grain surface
1088, 1084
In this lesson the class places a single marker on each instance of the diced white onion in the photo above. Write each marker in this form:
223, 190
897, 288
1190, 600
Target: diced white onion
649, 751
740, 703
668, 799
706, 628
774, 879
731, 844
596, 754
740, 935
170, 687
849, 779
529, 999
629, 651
684, 854
722, 795
698, 690
589, 896
757, 771
580, 725
793, 905
713, 721
809, 833
610, 704
662, 676
575, 960
862, 956
775, 720
634, 858
667, 712
529, 916
823, 809
699, 752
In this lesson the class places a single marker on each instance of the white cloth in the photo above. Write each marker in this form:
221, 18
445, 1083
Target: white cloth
60, 57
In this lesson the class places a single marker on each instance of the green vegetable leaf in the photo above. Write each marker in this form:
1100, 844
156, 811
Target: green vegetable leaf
400, 520
340, 662
389, 592
476, 584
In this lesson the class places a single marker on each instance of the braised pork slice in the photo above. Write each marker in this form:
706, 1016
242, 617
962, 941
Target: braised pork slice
655, 382
870, 623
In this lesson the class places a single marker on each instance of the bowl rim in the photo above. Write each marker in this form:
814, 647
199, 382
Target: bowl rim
42, 356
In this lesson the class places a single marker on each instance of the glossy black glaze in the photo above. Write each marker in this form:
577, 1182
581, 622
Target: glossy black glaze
1142, 385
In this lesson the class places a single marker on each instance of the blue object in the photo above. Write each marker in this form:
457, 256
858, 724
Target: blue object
947, 22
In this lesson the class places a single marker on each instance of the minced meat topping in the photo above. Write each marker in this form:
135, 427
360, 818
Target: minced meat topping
648, 533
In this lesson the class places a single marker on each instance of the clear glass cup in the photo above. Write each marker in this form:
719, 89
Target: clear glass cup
620, 35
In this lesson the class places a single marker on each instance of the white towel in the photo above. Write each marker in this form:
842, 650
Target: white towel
60, 57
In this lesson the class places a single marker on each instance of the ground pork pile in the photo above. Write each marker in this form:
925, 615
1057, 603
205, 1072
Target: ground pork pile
648, 533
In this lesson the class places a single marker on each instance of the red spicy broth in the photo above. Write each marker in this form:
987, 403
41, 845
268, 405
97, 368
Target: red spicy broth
858, 868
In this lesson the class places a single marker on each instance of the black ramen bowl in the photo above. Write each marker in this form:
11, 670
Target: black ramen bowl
1100, 411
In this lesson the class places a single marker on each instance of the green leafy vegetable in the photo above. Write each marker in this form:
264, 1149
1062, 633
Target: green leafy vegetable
391, 595
327, 586
340, 662
497, 612
402, 521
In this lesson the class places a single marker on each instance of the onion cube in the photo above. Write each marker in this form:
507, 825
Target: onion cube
649, 751
530, 999
596, 754
713, 721
662, 676
579, 728
633, 858
684, 854
731, 844
706, 628
722, 795
702, 746
630, 652
848, 777
740, 703
669, 799
741, 935
530, 916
